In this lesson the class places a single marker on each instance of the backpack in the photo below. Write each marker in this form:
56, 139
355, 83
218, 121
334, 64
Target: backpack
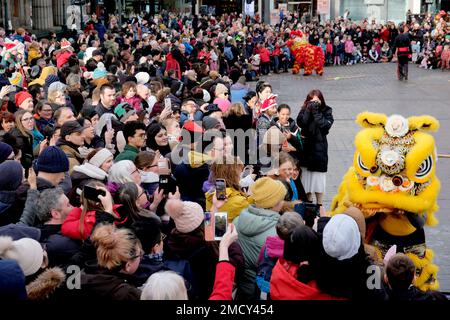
263, 274
228, 53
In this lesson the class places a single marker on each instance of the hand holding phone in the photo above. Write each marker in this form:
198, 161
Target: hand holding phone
92, 193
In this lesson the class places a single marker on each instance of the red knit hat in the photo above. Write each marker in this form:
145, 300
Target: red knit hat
269, 103
21, 97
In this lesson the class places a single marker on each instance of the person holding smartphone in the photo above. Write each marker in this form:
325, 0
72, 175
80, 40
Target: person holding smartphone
225, 179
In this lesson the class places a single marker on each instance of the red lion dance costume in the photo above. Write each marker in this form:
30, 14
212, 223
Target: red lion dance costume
306, 55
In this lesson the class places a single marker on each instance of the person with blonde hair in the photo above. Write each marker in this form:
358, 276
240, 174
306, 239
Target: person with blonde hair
230, 169
119, 253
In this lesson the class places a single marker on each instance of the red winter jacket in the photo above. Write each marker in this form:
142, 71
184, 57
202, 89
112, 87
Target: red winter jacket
285, 286
223, 283
62, 58
172, 64
71, 226
265, 55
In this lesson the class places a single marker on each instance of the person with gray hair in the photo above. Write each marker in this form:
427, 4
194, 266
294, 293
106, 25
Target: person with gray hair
53, 207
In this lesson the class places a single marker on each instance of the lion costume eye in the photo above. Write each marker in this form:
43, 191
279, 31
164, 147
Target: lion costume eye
425, 168
361, 164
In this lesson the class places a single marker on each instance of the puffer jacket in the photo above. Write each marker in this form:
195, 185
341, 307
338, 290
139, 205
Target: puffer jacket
236, 202
253, 225
315, 124
285, 286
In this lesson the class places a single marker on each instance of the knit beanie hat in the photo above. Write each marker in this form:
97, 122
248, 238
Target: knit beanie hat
100, 157
12, 175
5, 151
12, 281
21, 97
52, 160
50, 79
210, 123
341, 237
123, 111
187, 215
267, 192
99, 73
27, 252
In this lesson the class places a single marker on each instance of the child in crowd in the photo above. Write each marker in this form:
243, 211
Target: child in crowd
129, 95
373, 55
329, 53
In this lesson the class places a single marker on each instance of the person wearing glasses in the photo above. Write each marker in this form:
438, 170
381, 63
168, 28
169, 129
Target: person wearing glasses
135, 203
134, 134
222, 97
23, 132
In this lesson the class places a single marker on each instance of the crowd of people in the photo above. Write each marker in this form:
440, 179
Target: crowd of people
112, 143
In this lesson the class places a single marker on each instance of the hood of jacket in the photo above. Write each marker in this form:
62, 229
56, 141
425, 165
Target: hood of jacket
197, 159
275, 246
254, 221
284, 286
292, 125
46, 284
91, 171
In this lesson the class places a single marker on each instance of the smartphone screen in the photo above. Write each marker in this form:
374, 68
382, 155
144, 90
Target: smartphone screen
167, 103
108, 124
91, 193
220, 224
221, 192
209, 226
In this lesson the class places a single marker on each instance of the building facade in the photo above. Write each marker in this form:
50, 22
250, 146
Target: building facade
384, 10
45, 15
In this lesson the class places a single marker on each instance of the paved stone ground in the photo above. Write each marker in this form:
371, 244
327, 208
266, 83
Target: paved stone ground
350, 90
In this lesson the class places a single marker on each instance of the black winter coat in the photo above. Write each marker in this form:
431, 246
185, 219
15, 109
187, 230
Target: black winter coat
315, 124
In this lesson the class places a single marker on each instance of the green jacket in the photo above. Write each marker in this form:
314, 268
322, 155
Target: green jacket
253, 225
128, 153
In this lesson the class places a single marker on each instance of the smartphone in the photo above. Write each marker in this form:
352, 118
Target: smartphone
309, 212
168, 103
12, 88
109, 124
167, 184
220, 224
209, 226
221, 192
92, 193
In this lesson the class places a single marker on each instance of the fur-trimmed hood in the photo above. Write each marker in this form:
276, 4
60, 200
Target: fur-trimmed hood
91, 171
46, 284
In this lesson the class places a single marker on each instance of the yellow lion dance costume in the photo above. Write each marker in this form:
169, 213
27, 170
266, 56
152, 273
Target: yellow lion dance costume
394, 184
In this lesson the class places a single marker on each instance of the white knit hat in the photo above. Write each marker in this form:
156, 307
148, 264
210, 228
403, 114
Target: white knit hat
27, 252
100, 157
341, 237
142, 77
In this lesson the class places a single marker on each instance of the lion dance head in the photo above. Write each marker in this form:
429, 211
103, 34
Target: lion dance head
393, 173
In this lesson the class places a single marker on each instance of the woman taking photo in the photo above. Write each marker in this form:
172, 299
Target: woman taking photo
315, 119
